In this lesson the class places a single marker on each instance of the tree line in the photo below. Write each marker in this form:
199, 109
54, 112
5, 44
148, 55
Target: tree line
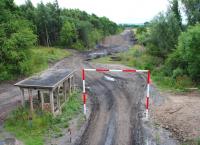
174, 45
66, 27
24, 26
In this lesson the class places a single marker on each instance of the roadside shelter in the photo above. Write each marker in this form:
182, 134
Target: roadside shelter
47, 90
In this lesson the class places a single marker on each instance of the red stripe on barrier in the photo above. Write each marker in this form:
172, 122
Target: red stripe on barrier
84, 98
129, 70
83, 74
101, 70
147, 103
148, 77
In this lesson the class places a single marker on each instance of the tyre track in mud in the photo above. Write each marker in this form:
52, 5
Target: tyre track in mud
124, 112
116, 107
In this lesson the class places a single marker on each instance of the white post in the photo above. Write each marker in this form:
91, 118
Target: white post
148, 94
84, 93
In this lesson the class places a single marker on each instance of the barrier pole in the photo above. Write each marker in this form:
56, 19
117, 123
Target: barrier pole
148, 92
84, 93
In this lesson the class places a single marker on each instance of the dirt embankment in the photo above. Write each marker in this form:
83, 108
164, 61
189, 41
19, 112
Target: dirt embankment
180, 114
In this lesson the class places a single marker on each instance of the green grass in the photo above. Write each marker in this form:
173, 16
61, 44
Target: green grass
127, 58
37, 59
192, 142
43, 124
42, 56
136, 57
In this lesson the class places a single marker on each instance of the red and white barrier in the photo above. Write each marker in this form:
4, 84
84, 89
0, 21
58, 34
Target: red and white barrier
116, 70
148, 93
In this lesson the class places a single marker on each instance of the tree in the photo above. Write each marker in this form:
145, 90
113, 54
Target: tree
188, 47
68, 34
163, 35
49, 19
16, 37
192, 10
84, 29
175, 9
28, 11
42, 22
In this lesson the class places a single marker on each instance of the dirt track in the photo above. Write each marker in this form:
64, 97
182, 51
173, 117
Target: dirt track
115, 105
117, 108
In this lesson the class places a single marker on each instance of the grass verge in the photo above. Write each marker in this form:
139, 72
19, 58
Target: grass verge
192, 142
37, 59
42, 56
138, 58
43, 124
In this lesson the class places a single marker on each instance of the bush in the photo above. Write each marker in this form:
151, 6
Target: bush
173, 62
183, 82
17, 38
43, 124
177, 73
188, 47
68, 34
78, 46
163, 35
142, 35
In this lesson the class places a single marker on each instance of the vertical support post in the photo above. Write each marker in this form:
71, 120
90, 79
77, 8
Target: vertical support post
148, 93
72, 83
42, 100
70, 91
58, 99
38, 92
59, 107
51, 101
23, 98
30, 99
65, 90
84, 93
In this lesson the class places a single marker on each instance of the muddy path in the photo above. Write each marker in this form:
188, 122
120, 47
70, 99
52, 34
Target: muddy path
117, 107
116, 119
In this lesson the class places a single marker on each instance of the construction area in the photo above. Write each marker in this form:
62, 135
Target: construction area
116, 105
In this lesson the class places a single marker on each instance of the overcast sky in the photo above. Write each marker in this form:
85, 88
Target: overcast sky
119, 11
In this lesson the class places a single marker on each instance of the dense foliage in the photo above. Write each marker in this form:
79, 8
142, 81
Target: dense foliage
23, 26
164, 32
192, 10
186, 58
53, 23
177, 45
16, 36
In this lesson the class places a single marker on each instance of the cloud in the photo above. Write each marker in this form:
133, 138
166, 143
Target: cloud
120, 11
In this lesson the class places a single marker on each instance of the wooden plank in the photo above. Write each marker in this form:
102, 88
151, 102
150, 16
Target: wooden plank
30, 99
65, 90
23, 97
58, 103
73, 83
70, 91
57, 97
42, 100
51, 101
